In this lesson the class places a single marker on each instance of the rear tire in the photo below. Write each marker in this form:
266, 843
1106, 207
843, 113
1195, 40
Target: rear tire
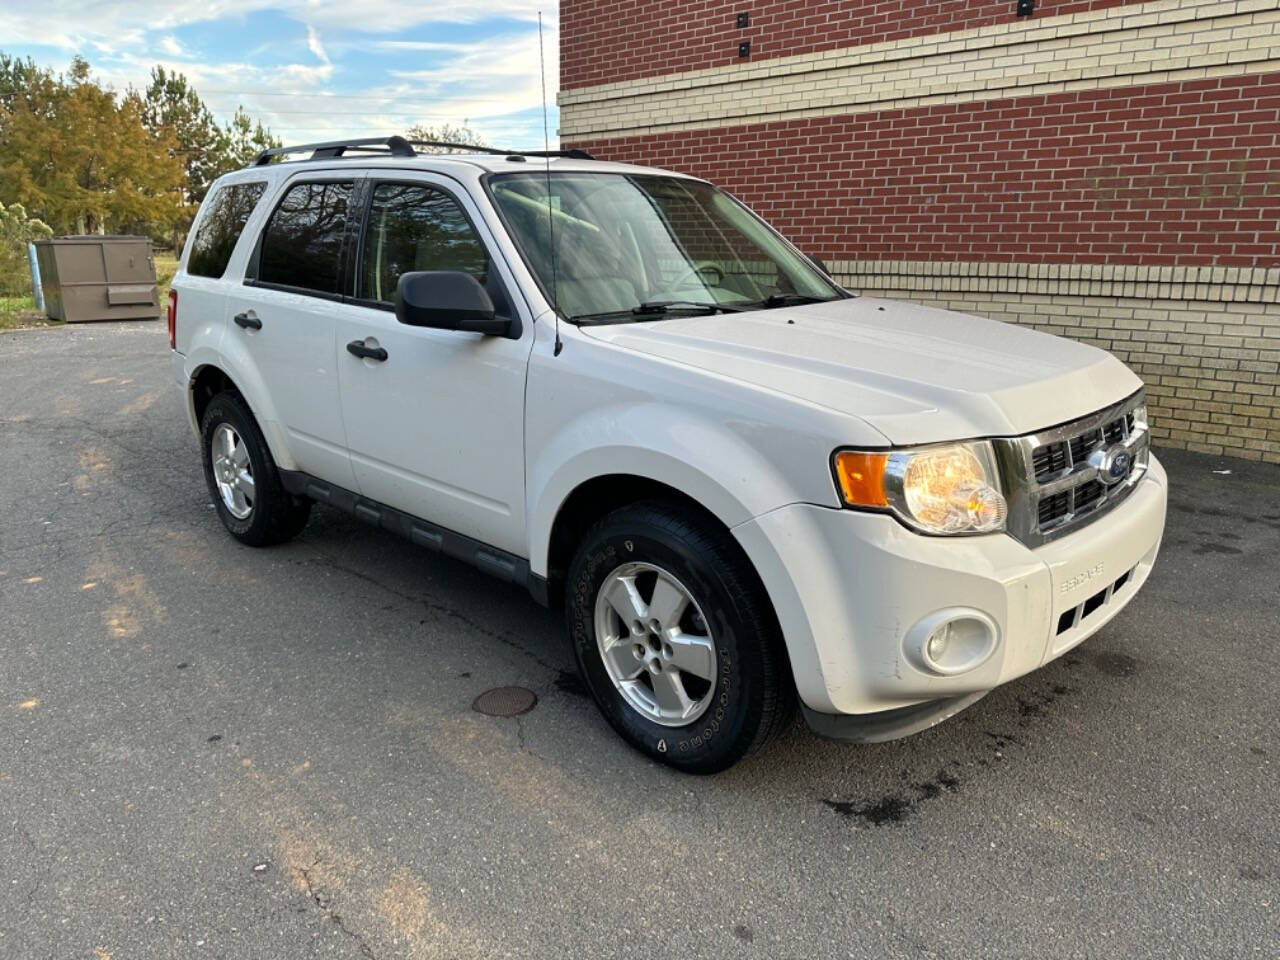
243, 479
676, 639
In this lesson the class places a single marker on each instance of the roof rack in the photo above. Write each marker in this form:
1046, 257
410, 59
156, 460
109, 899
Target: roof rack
498, 151
399, 147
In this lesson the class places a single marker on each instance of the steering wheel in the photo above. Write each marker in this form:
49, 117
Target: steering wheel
707, 271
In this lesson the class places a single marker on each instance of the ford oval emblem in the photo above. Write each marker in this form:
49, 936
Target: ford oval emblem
1112, 464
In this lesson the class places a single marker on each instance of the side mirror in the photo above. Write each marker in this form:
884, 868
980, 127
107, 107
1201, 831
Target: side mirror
447, 300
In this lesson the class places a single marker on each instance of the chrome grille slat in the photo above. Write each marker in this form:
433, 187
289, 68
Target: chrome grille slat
1052, 486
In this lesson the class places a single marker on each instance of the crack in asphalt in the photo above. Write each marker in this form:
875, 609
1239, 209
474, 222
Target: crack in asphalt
46, 868
325, 903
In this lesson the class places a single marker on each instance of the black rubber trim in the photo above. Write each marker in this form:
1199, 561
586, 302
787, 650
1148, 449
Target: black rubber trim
540, 589
887, 724
492, 560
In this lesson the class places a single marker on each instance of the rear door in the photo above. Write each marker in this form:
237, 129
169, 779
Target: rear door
285, 316
437, 428
201, 292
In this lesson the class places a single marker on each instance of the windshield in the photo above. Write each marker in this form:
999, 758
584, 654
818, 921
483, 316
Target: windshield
631, 247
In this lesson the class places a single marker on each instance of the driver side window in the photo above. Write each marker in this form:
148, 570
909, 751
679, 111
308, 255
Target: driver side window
415, 227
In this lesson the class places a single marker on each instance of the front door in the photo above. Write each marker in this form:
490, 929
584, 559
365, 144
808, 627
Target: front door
435, 429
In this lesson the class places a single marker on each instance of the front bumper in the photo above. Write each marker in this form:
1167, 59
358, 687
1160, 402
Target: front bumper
849, 586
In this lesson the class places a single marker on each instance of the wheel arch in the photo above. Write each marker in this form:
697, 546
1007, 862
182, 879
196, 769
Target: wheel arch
210, 378
593, 499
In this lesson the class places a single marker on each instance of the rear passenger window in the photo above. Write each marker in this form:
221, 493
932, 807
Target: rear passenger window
226, 214
302, 242
415, 227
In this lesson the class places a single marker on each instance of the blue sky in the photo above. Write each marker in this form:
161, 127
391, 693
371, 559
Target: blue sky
317, 69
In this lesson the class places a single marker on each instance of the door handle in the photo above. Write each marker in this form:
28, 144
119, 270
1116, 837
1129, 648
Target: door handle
247, 322
358, 348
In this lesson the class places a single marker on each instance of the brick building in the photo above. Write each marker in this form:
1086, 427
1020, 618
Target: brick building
1102, 169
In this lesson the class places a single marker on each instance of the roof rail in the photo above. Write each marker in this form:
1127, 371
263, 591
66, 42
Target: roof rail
399, 147
498, 151
330, 149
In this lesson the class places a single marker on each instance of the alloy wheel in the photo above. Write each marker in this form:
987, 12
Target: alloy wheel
656, 644
232, 471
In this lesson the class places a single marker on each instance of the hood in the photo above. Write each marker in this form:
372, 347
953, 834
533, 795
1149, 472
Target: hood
916, 374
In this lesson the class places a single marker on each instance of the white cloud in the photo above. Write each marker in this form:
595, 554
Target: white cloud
170, 45
315, 46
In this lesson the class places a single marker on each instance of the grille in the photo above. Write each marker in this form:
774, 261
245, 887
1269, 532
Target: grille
1051, 459
1056, 479
1054, 506
1077, 615
1055, 458
1088, 494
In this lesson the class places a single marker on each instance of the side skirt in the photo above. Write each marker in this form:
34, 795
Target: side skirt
497, 563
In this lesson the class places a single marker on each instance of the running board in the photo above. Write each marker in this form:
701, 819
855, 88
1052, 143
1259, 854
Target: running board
493, 561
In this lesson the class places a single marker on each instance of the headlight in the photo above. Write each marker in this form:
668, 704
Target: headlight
1140, 416
945, 490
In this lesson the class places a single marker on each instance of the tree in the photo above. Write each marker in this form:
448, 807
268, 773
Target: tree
245, 140
170, 103
16, 231
84, 161
447, 133
16, 76
207, 150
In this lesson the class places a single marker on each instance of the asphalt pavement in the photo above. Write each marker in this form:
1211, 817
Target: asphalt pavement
210, 750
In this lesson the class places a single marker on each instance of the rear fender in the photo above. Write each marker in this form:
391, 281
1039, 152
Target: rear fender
249, 382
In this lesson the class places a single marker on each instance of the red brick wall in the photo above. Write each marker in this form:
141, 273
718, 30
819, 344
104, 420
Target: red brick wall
1182, 173
613, 40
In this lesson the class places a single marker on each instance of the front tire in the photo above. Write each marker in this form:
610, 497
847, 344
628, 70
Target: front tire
243, 479
676, 639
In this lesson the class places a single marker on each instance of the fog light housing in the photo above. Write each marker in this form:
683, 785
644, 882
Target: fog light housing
951, 641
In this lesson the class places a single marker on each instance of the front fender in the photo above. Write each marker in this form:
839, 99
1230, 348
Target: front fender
656, 441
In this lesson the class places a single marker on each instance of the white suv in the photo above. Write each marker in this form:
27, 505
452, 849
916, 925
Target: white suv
619, 387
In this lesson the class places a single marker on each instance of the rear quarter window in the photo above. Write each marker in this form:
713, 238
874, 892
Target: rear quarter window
220, 228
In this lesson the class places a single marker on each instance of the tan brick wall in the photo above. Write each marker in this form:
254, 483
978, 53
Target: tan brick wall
1210, 357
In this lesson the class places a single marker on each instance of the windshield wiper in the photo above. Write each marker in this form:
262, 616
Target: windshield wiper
788, 300
655, 309
665, 306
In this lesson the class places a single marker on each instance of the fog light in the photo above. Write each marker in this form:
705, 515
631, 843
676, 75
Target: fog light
951, 641
938, 642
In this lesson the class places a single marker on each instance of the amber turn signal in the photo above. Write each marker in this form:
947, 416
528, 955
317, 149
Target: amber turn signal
861, 477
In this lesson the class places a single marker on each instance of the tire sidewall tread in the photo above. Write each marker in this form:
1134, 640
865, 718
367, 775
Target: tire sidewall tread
277, 515
750, 699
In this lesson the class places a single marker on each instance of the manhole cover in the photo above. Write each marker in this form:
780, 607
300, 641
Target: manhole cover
505, 701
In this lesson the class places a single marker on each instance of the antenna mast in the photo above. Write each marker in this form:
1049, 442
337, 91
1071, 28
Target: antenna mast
551, 218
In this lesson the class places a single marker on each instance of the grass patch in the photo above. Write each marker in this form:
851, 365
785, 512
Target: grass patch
166, 267
20, 311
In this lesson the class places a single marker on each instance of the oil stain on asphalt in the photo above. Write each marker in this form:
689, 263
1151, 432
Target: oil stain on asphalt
896, 807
